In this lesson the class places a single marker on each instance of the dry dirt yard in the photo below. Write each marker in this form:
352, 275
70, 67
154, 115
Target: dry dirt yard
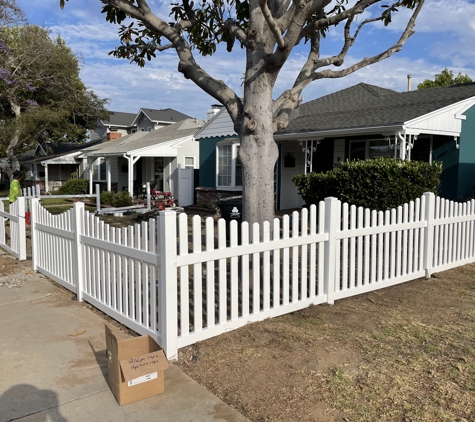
405, 353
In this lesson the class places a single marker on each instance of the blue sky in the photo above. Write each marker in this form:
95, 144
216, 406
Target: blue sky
445, 37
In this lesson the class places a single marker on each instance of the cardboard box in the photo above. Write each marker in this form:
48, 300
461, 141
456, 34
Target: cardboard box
135, 367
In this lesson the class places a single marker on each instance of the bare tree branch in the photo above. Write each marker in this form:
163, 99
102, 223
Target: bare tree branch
273, 26
408, 32
187, 64
357, 9
149, 46
235, 30
289, 99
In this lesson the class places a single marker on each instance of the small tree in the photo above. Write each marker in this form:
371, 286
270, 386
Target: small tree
445, 78
42, 97
268, 30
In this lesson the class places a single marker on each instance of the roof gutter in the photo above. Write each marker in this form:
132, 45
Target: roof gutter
338, 132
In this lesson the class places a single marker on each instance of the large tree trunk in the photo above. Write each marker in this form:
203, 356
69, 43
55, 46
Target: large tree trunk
258, 152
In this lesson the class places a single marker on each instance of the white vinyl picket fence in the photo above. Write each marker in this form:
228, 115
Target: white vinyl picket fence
182, 283
14, 239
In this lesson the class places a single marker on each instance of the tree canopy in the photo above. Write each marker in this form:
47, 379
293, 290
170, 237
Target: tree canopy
42, 97
445, 78
268, 30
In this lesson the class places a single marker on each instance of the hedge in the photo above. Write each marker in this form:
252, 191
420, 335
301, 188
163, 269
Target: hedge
74, 187
121, 199
379, 184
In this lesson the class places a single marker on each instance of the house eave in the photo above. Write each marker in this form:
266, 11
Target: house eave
333, 133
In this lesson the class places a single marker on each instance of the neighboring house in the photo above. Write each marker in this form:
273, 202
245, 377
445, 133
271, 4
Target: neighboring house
360, 122
52, 165
168, 156
118, 123
147, 119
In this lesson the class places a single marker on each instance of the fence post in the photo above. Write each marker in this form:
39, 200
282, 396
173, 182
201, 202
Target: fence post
34, 202
78, 221
332, 225
429, 233
98, 197
167, 279
21, 228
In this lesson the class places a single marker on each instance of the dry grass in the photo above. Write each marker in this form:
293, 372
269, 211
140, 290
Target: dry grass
405, 353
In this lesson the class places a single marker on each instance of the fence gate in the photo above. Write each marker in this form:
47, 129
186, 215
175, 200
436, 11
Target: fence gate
185, 187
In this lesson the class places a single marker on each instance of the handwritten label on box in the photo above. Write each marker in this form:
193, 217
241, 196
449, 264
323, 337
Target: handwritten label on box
143, 365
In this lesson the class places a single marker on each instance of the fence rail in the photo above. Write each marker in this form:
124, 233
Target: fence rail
183, 282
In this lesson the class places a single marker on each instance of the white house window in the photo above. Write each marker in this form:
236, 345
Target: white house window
189, 162
99, 170
229, 168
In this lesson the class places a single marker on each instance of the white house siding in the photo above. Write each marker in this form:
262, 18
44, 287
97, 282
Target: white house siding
82, 169
220, 125
289, 197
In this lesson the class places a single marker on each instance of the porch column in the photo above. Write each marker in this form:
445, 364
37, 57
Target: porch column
130, 176
46, 177
131, 160
108, 174
402, 145
90, 163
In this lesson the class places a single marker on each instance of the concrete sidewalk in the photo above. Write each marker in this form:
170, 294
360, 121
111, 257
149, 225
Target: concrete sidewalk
46, 374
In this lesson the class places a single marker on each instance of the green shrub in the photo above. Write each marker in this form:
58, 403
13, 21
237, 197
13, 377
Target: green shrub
121, 199
74, 187
107, 198
379, 184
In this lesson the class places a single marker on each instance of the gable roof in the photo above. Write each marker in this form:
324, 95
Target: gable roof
165, 115
139, 140
367, 106
119, 118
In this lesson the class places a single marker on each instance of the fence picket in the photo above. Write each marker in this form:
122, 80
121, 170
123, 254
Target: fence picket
303, 256
256, 271
266, 268
276, 266
223, 308
285, 263
197, 276
210, 288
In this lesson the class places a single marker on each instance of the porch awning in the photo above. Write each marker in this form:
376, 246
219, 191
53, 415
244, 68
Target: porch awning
61, 160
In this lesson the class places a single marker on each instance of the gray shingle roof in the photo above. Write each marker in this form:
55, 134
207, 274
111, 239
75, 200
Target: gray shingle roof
140, 140
165, 115
118, 118
366, 105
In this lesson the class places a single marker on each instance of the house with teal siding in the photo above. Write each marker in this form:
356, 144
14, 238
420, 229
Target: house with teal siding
360, 122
